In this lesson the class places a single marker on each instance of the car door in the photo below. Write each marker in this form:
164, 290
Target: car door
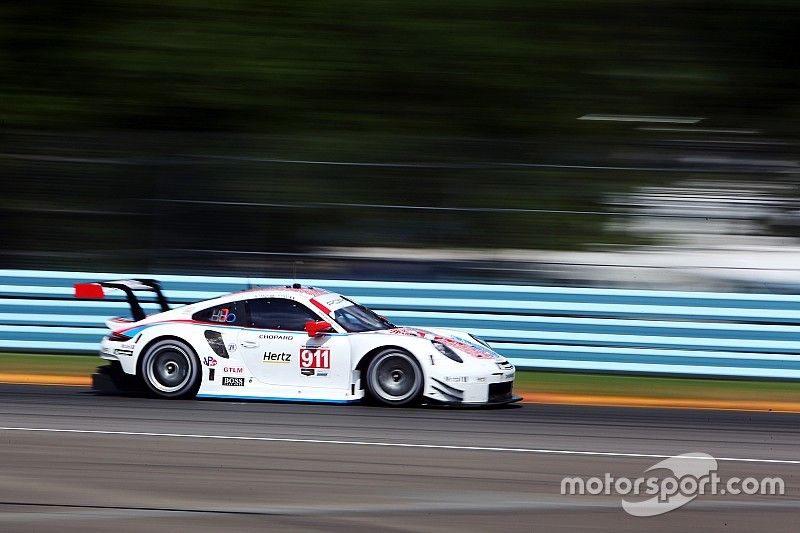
278, 351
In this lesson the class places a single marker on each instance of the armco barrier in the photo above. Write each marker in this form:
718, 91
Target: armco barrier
714, 334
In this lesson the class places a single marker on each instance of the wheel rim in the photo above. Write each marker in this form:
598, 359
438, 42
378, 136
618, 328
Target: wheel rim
395, 378
169, 369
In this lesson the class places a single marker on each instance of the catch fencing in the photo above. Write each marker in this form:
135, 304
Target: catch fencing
536, 327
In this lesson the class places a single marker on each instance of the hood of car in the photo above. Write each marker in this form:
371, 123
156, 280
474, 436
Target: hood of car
457, 340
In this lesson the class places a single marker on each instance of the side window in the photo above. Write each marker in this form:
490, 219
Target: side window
279, 313
229, 313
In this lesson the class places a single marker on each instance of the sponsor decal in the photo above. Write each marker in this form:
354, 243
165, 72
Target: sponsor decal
334, 301
474, 350
232, 382
313, 372
209, 361
310, 291
233, 369
457, 379
509, 375
274, 357
223, 315
315, 357
232, 347
273, 336
127, 346
466, 340
480, 380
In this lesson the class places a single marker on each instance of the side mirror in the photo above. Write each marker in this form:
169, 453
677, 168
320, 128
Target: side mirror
318, 327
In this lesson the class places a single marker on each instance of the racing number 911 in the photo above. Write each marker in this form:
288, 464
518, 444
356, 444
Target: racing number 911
315, 358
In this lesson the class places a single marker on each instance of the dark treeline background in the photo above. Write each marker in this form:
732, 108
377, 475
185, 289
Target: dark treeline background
118, 116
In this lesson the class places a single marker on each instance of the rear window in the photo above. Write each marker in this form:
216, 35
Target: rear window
229, 313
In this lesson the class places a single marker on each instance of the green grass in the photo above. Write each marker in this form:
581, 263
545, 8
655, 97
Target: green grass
657, 387
545, 382
60, 365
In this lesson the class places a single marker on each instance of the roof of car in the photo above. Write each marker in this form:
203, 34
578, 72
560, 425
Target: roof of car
296, 291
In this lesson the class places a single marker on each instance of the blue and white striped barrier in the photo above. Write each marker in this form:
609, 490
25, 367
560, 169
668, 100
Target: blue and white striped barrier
612, 330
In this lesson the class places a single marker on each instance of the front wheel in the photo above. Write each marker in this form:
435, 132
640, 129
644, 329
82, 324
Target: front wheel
394, 378
170, 369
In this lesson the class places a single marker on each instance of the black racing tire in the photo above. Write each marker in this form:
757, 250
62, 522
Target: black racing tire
170, 369
394, 379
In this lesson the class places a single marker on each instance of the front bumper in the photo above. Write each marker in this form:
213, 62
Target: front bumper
505, 401
472, 392
495, 403
500, 393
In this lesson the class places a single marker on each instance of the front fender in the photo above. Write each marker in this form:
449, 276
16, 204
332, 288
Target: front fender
363, 345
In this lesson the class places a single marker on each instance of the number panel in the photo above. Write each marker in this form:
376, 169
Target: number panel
315, 358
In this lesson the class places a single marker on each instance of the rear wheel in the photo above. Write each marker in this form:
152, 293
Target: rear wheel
170, 369
394, 378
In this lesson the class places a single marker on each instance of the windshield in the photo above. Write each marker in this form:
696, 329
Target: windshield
356, 318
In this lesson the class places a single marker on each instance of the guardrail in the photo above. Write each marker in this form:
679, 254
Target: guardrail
584, 329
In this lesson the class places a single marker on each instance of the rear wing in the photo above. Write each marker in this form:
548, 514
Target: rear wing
95, 291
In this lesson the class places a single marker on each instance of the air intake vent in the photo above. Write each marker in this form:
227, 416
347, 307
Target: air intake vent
214, 339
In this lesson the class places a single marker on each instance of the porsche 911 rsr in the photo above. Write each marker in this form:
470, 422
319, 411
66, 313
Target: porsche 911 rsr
292, 343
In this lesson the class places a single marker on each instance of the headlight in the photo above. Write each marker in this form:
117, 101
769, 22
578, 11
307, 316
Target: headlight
480, 341
447, 352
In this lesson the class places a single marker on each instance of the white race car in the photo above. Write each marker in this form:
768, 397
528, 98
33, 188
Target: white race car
292, 343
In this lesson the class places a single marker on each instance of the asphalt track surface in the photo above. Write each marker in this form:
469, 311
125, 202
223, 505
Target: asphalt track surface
76, 461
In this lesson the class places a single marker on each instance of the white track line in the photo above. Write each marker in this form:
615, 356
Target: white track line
388, 444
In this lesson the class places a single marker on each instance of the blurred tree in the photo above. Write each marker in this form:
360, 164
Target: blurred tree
458, 81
